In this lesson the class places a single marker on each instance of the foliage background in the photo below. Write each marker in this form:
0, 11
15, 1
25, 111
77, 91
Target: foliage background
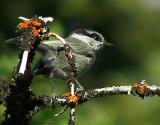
132, 25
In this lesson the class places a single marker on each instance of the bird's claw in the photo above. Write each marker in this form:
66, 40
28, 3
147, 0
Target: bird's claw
79, 89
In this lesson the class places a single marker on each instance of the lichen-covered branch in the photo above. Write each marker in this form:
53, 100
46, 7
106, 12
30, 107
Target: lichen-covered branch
18, 100
37, 103
4, 89
72, 74
72, 117
140, 89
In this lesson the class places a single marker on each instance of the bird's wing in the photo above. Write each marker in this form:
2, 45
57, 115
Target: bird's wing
49, 45
84, 56
79, 47
48, 49
83, 63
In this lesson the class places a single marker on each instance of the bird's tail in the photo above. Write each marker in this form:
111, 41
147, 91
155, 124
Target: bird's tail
12, 40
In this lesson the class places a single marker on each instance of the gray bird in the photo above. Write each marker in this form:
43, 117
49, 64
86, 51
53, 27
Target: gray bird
84, 44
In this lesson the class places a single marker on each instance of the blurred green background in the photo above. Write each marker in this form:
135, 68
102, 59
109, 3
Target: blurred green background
134, 28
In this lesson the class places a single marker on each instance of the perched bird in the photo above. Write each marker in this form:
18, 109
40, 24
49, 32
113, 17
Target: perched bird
84, 44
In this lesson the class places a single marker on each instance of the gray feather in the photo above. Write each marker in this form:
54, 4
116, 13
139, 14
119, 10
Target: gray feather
84, 45
84, 56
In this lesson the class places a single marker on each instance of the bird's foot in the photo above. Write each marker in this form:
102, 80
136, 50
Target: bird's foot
78, 89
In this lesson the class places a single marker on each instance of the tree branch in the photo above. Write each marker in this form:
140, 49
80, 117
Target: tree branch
18, 96
4, 89
140, 89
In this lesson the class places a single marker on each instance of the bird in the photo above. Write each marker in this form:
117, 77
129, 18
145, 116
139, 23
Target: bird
85, 44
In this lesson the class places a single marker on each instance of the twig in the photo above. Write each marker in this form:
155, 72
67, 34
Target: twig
72, 112
72, 74
72, 117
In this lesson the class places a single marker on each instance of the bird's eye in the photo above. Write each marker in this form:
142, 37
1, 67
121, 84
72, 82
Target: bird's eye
96, 38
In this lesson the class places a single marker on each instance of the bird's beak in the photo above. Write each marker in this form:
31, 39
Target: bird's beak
108, 43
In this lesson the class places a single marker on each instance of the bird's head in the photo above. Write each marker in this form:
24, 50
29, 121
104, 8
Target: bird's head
94, 39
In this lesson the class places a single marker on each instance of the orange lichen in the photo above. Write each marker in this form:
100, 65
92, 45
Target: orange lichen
67, 94
35, 31
68, 53
140, 87
72, 98
34, 23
